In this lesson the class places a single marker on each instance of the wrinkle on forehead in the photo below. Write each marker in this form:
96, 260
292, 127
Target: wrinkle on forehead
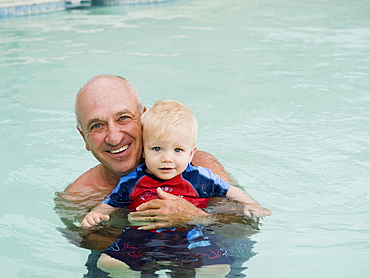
103, 87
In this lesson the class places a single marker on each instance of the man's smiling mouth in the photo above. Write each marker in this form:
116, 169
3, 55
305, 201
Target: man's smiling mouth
119, 150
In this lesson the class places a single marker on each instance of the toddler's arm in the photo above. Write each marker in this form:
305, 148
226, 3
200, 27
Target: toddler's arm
99, 213
252, 208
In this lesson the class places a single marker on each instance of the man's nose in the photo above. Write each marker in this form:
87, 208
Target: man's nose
114, 135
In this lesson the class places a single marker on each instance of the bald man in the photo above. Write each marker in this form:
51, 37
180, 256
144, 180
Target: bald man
108, 111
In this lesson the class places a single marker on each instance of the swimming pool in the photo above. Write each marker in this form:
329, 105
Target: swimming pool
281, 90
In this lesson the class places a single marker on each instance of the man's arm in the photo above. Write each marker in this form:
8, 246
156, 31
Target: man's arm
89, 190
172, 211
93, 186
252, 208
207, 160
177, 215
71, 213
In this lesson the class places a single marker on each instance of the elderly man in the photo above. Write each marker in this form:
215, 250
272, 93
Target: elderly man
108, 112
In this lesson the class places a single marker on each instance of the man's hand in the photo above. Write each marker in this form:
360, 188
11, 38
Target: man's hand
166, 212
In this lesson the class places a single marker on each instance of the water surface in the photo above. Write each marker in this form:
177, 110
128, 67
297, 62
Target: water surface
281, 93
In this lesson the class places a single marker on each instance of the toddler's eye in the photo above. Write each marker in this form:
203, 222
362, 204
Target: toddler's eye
178, 150
156, 149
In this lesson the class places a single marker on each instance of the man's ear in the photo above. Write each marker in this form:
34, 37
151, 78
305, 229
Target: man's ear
83, 137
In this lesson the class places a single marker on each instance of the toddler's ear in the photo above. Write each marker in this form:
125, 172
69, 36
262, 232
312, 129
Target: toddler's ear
192, 152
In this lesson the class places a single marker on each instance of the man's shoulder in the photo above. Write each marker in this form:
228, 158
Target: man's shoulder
88, 179
91, 186
206, 159
83, 180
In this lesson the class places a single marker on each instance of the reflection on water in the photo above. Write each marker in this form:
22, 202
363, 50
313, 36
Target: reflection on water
281, 92
228, 236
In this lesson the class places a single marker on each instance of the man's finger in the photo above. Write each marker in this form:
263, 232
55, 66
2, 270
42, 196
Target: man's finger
139, 222
143, 214
164, 195
152, 204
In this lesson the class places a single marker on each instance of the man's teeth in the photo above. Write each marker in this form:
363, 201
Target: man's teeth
120, 149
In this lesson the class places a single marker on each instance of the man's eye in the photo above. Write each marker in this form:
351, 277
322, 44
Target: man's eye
178, 150
156, 149
124, 119
95, 126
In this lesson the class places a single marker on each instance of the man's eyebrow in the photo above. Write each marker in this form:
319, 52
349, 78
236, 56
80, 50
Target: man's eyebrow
125, 111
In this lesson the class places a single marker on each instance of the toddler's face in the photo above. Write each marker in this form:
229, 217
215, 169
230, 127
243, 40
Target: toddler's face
169, 156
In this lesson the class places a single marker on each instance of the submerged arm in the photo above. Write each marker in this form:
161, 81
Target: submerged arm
99, 213
252, 208
76, 201
172, 211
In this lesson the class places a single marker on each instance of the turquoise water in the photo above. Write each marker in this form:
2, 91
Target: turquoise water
281, 90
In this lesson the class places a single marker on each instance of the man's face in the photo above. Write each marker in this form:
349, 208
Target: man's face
110, 124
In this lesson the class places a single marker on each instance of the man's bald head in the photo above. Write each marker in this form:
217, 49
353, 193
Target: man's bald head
103, 85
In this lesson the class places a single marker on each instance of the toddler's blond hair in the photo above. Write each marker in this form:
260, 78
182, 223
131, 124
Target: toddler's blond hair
167, 117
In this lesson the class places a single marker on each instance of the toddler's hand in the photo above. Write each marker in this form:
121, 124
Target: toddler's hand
93, 218
255, 210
